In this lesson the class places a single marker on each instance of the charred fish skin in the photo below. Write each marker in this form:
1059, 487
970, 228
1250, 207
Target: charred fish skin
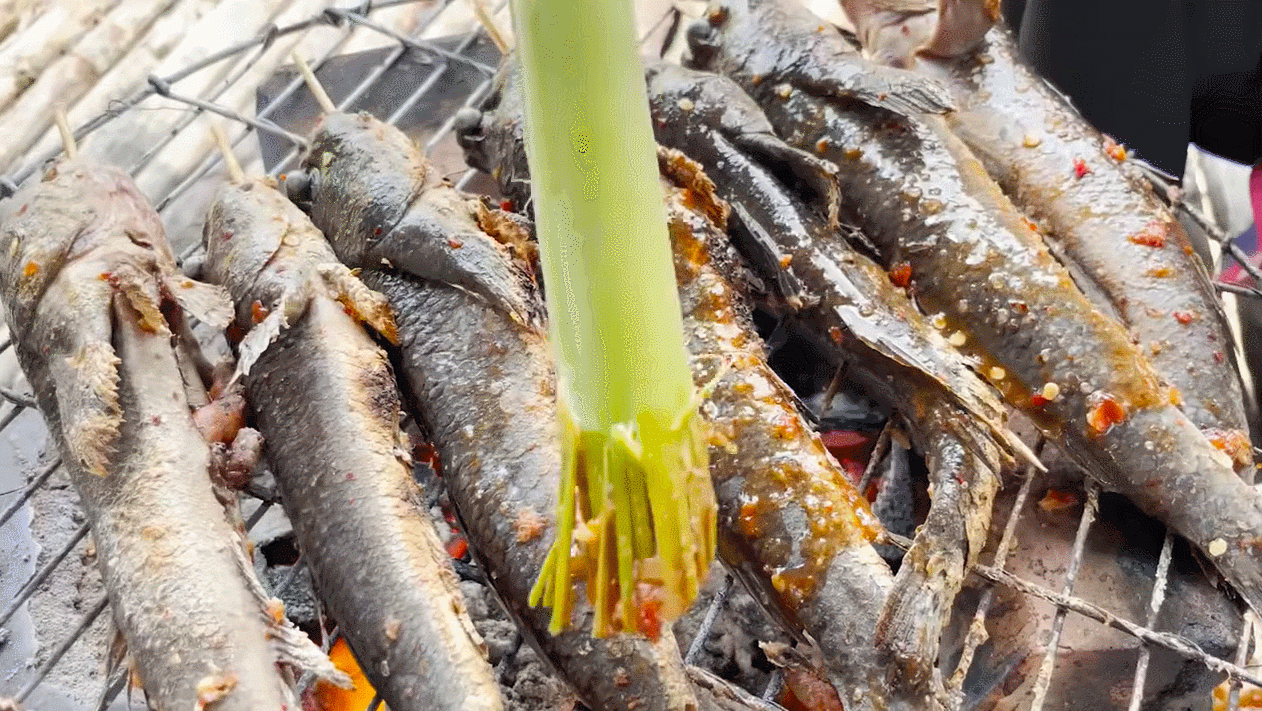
86, 267
794, 529
489, 401
988, 274
381, 204
1120, 237
325, 398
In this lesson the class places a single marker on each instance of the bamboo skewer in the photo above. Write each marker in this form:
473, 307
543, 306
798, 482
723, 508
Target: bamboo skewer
230, 160
67, 133
317, 89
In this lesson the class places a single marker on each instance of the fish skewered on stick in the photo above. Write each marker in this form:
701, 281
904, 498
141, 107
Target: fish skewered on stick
325, 398
93, 295
477, 363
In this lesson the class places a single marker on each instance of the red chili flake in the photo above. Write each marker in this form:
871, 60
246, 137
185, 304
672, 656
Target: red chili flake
1037, 400
1148, 239
257, 311
1184, 317
1219, 356
1020, 307
835, 334
648, 611
350, 476
1104, 414
454, 243
22, 210
105, 276
901, 274
457, 547
1030, 224
376, 232
506, 205
1080, 168
227, 235
30, 269
1114, 149
1057, 500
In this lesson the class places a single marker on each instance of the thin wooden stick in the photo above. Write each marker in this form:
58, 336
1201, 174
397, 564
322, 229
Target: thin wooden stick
67, 134
484, 17
317, 90
234, 168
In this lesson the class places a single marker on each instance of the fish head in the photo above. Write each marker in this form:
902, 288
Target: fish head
77, 211
363, 175
753, 38
493, 135
259, 245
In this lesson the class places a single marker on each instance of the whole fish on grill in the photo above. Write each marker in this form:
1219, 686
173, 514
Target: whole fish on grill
919, 194
97, 306
791, 525
1122, 245
324, 396
478, 364
865, 318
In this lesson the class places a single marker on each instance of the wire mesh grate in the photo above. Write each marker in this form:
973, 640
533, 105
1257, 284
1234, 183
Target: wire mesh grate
248, 57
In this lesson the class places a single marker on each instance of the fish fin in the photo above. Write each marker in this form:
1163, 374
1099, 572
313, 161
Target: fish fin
290, 645
441, 241
901, 91
766, 258
86, 386
142, 294
818, 173
290, 305
510, 230
208, 303
362, 303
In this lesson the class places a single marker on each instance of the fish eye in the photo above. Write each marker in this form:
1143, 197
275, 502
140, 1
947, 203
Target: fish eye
467, 120
299, 185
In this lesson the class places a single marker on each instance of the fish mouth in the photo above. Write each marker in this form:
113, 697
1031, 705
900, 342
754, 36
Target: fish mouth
470, 136
703, 39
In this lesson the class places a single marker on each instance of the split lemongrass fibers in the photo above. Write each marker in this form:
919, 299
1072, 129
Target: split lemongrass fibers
636, 511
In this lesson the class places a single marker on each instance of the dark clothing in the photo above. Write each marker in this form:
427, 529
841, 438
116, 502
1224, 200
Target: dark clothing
1154, 74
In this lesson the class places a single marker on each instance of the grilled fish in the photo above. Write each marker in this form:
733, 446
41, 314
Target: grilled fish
325, 398
93, 295
1121, 243
921, 195
478, 365
868, 321
380, 202
791, 525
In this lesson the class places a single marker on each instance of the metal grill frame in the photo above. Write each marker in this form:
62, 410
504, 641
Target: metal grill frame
360, 19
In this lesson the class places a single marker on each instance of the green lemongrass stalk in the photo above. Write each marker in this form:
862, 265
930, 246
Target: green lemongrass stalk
636, 511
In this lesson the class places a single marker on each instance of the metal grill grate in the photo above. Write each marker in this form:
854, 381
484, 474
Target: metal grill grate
349, 22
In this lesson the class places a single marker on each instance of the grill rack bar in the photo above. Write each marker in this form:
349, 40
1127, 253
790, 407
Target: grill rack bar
359, 17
